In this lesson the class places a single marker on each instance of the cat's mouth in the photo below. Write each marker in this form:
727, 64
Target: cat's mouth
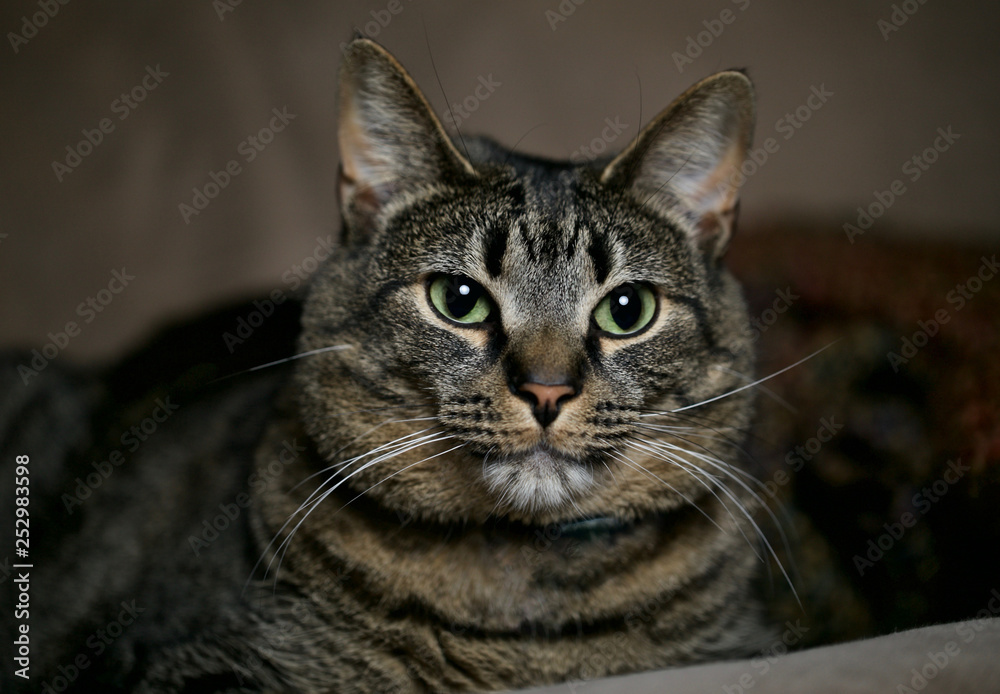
539, 479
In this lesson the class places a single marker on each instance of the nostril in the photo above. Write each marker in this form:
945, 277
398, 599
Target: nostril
547, 396
546, 399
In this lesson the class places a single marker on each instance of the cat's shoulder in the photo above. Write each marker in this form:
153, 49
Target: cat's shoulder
126, 465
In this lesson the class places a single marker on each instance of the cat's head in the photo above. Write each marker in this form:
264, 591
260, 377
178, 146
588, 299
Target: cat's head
515, 329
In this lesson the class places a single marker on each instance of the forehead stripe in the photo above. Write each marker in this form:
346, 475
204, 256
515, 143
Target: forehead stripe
496, 248
600, 255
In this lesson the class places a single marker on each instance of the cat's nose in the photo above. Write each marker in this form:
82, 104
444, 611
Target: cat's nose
546, 399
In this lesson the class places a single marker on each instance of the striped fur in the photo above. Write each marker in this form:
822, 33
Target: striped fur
465, 569
432, 525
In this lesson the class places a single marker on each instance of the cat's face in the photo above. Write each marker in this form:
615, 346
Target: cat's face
515, 329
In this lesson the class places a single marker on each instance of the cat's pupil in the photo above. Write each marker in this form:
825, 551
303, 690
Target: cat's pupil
626, 306
461, 296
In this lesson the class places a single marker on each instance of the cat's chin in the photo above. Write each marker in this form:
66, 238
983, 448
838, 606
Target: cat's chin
537, 481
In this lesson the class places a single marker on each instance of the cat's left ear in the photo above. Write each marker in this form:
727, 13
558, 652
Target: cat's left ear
691, 154
390, 140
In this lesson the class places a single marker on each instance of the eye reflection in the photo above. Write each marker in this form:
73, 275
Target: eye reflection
626, 309
459, 298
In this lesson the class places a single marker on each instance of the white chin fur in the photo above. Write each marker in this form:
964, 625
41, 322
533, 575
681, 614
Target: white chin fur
536, 481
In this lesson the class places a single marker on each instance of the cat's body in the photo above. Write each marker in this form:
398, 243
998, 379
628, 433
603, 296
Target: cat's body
512, 460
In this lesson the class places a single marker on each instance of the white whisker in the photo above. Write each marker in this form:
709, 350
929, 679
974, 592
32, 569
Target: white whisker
283, 547
691, 469
748, 385
726, 469
628, 462
333, 348
388, 477
763, 389
707, 451
339, 465
311, 502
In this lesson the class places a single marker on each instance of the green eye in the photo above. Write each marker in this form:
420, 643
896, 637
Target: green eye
460, 299
626, 309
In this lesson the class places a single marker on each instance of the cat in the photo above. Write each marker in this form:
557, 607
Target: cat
506, 453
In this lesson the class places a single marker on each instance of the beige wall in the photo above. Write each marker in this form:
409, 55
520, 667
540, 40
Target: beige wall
557, 76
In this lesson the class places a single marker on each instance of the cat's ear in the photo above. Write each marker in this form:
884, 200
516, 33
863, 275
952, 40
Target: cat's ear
390, 140
691, 153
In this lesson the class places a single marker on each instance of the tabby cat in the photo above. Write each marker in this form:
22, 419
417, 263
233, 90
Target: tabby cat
508, 455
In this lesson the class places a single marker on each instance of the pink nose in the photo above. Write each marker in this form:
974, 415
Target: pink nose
547, 399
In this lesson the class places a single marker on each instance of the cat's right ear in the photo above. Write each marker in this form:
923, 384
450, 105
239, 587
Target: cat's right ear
687, 160
391, 143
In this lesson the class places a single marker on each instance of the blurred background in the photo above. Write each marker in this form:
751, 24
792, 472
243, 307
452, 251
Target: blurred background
163, 159
180, 87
